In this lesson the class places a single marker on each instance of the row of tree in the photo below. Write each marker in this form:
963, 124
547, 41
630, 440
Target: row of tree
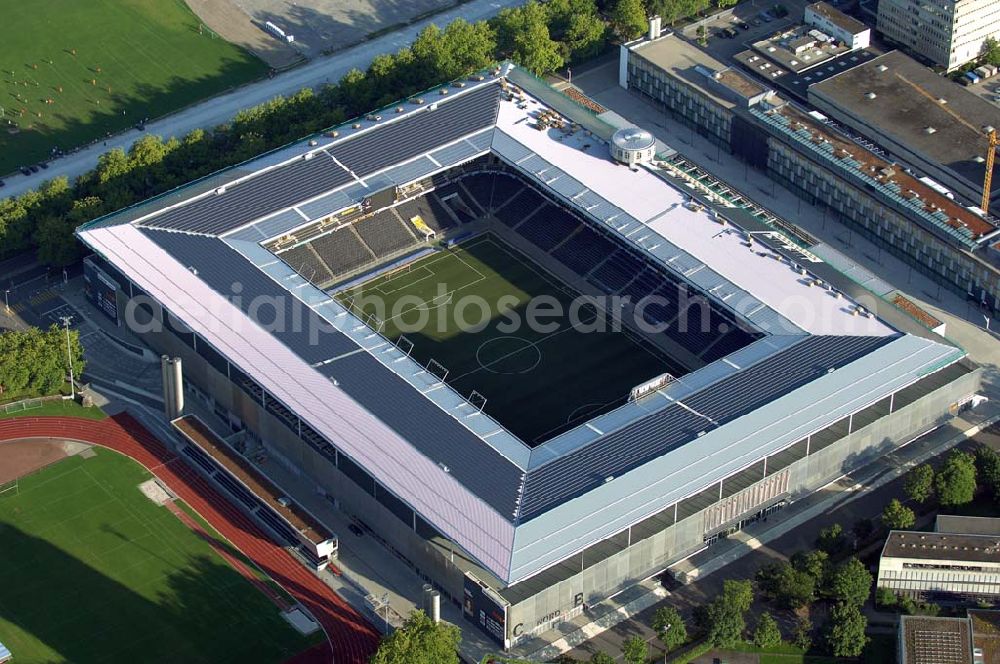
540, 37
34, 362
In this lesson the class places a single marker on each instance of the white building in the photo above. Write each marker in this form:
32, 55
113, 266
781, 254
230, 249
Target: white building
835, 23
947, 32
941, 566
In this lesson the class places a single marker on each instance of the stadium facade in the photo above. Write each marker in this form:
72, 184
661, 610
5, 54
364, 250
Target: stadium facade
802, 377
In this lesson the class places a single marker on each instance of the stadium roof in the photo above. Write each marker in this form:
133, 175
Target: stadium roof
515, 509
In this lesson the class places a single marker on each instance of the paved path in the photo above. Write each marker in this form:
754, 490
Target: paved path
218, 110
351, 638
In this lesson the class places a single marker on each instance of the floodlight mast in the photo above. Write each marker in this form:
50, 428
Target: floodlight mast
69, 357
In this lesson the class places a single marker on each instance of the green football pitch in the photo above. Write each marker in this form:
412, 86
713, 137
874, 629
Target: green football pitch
73, 70
465, 310
93, 571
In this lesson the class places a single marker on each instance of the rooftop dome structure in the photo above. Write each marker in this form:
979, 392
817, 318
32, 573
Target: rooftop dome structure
632, 145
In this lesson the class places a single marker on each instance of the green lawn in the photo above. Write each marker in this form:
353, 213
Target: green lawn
92, 571
536, 381
144, 57
63, 408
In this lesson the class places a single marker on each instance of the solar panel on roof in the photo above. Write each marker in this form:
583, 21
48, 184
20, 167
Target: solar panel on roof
227, 272
420, 132
434, 432
260, 195
655, 435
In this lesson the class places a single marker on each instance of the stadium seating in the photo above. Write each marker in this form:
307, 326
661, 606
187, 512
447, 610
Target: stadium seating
306, 262
430, 210
458, 202
548, 227
519, 208
616, 272
480, 187
342, 250
385, 234
582, 251
504, 188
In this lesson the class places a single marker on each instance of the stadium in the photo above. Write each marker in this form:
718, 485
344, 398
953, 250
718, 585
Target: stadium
539, 373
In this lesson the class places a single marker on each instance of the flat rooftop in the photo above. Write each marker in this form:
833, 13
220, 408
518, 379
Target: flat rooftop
838, 18
935, 640
909, 99
696, 241
684, 60
941, 209
967, 525
795, 50
942, 546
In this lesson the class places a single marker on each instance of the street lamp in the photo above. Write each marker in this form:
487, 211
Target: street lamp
385, 605
69, 356
6, 301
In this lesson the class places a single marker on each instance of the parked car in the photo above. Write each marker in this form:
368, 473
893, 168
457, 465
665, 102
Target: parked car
2, 183
33, 169
729, 33
355, 529
766, 17
43, 165
755, 22
25, 170
743, 25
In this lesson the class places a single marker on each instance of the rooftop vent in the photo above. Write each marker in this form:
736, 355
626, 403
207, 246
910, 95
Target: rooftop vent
307, 156
220, 191
942, 101
356, 125
882, 68
870, 95
313, 143
930, 130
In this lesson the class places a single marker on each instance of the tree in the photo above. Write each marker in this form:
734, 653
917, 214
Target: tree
814, 563
988, 470
601, 658
884, 597
726, 3
845, 635
831, 539
802, 637
991, 51
956, 481
724, 617
627, 18
635, 650
767, 634
851, 582
420, 641
669, 627
33, 361
786, 586
523, 34
897, 516
919, 483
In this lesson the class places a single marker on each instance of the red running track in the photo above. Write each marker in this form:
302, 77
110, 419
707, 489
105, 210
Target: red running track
352, 640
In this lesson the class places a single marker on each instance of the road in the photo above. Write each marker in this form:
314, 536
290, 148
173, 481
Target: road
218, 110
